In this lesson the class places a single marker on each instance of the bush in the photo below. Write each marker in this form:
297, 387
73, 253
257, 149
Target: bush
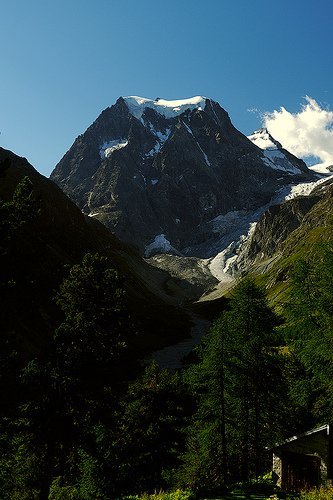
171, 495
323, 493
60, 492
262, 485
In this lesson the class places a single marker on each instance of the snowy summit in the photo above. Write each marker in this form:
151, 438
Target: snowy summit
168, 109
263, 139
274, 157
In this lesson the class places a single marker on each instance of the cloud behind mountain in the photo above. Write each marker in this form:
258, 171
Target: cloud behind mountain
307, 133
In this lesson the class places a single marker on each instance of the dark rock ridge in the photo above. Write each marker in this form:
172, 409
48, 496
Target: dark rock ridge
273, 228
278, 223
164, 169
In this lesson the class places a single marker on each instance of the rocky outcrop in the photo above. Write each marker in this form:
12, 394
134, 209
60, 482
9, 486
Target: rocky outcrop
278, 223
275, 226
192, 273
148, 169
275, 156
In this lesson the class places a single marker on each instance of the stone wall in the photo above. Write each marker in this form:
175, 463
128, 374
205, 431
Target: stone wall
277, 469
323, 470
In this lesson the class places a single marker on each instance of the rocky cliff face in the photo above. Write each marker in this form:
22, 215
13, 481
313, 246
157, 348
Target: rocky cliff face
157, 172
279, 222
273, 228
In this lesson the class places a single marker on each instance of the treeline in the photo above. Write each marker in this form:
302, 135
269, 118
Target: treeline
76, 424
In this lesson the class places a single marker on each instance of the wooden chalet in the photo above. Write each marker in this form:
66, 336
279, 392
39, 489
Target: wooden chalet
305, 461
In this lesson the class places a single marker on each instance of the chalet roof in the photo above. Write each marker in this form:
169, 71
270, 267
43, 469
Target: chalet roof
324, 430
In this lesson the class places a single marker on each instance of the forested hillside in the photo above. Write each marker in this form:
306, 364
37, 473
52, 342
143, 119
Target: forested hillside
48, 232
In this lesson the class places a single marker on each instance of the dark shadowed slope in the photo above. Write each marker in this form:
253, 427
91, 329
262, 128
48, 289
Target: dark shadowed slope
33, 262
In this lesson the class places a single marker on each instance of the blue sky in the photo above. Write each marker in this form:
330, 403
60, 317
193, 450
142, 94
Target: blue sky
63, 62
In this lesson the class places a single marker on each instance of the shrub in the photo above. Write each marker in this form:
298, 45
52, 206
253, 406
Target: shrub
60, 492
262, 485
161, 495
323, 493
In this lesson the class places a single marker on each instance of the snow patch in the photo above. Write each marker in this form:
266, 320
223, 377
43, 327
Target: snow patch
154, 181
273, 156
154, 150
108, 147
278, 161
262, 139
322, 168
189, 130
168, 109
304, 189
218, 264
160, 245
204, 155
162, 137
222, 265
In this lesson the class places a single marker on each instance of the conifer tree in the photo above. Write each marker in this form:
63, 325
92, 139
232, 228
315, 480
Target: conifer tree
237, 387
72, 388
152, 415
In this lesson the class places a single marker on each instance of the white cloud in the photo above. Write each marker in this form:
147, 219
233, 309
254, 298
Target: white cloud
306, 133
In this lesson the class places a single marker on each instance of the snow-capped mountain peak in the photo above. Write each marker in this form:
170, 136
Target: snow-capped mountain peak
157, 172
166, 108
274, 156
263, 139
